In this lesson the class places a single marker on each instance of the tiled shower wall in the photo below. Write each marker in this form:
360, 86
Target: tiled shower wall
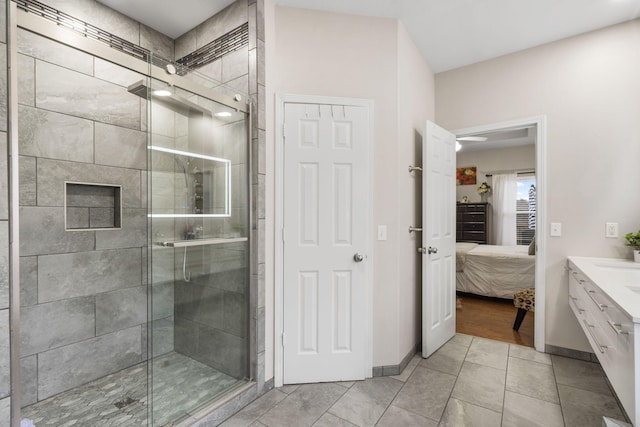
5, 391
210, 326
83, 293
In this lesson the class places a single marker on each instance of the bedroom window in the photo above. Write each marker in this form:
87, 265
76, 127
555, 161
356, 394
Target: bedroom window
526, 209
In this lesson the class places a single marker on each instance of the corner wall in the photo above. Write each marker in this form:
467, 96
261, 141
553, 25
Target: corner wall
588, 88
5, 348
328, 54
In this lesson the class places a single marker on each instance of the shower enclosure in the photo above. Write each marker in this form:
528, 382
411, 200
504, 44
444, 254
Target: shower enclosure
134, 220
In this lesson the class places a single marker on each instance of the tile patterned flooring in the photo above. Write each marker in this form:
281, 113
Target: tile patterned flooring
180, 385
470, 381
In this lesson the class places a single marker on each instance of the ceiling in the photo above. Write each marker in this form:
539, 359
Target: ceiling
449, 33
506, 138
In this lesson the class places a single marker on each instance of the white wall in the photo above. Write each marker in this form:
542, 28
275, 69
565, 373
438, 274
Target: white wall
320, 53
487, 161
588, 88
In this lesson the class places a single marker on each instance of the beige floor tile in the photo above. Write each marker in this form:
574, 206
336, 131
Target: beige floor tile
426, 393
529, 353
448, 358
580, 374
366, 401
329, 420
304, 406
488, 353
481, 385
408, 370
532, 379
583, 408
395, 417
459, 413
525, 411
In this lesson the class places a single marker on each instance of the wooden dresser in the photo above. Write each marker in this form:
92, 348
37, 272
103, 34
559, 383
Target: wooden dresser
473, 222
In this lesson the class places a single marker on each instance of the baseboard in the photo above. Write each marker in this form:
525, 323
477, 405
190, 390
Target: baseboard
568, 352
390, 370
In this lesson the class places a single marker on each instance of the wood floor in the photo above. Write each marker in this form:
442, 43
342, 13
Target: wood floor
492, 318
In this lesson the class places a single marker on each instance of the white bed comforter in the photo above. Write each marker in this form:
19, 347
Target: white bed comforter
495, 271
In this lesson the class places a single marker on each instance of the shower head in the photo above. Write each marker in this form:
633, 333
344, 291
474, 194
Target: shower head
171, 100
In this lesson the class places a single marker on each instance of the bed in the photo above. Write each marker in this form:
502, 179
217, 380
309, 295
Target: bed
493, 271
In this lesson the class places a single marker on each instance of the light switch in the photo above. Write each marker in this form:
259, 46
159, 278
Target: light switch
382, 232
556, 229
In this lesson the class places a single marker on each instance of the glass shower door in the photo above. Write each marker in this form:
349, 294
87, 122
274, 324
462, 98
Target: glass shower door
198, 251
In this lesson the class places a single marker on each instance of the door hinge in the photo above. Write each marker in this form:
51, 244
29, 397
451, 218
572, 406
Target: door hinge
284, 339
284, 136
283, 234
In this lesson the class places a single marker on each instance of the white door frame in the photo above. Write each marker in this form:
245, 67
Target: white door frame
281, 100
540, 122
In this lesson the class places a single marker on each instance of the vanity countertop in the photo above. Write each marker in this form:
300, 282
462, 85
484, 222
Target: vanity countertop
618, 278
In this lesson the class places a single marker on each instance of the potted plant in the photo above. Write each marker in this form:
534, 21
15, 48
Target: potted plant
484, 190
633, 240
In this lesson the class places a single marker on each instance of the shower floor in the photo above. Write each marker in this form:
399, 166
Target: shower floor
180, 385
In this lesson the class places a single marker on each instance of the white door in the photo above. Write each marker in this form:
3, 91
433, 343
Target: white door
438, 221
326, 204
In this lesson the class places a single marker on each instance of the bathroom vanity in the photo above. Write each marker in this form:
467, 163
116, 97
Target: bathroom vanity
604, 295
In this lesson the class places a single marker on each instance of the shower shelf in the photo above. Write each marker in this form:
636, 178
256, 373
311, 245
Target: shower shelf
202, 242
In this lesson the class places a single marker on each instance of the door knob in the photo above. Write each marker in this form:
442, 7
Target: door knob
358, 257
432, 250
422, 250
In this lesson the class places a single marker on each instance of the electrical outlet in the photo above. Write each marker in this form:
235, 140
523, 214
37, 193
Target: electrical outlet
556, 229
611, 229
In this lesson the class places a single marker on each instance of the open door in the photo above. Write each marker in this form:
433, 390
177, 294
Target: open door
438, 238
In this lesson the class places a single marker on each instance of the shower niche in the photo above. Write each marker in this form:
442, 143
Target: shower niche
92, 206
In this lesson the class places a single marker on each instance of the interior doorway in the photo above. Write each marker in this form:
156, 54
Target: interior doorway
514, 151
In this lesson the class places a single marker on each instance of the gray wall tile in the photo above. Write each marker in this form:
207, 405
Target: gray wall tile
51, 325
133, 232
162, 303
185, 44
5, 360
4, 189
26, 80
28, 281
114, 73
101, 218
222, 351
77, 218
4, 264
87, 273
5, 411
66, 91
226, 20
162, 336
120, 309
3, 87
69, 366
3, 22
186, 336
53, 173
45, 49
118, 146
157, 43
91, 196
235, 314
212, 70
42, 232
28, 189
100, 16
29, 380
55, 136
201, 304
235, 64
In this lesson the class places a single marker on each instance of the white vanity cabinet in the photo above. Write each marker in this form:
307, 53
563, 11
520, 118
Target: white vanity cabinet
604, 295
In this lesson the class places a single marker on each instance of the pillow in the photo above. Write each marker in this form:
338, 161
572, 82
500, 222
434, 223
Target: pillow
532, 246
